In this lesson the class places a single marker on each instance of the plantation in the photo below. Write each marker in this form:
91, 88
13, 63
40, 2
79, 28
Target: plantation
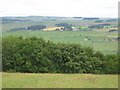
35, 55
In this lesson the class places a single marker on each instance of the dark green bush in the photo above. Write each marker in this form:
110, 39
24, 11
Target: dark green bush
35, 55
36, 27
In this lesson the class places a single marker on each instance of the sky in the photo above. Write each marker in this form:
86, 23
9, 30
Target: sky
66, 8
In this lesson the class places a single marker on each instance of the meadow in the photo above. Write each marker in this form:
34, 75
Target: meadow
32, 80
98, 40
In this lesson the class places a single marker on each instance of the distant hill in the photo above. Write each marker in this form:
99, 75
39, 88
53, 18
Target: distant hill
77, 17
6, 20
90, 18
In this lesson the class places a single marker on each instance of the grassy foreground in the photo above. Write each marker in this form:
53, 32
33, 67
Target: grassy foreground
31, 80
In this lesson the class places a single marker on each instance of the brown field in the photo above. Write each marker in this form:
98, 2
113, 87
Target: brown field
53, 28
112, 36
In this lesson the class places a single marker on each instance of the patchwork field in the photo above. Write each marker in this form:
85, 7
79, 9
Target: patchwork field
31, 80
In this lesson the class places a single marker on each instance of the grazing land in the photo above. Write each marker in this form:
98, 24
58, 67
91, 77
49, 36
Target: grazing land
102, 41
87, 32
32, 80
101, 34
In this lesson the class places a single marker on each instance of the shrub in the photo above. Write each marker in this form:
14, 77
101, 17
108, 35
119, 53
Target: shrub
36, 27
35, 55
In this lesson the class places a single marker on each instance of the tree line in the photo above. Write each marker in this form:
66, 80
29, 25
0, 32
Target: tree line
41, 27
36, 55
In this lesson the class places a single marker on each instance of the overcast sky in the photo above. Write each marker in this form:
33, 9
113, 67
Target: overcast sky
70, 8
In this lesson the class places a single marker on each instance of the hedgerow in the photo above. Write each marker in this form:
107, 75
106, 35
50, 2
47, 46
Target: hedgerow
35, 55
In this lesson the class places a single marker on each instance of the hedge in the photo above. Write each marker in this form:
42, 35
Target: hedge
35, 55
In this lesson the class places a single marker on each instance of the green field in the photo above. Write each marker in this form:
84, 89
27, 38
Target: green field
31, 80
102, 40
97, 39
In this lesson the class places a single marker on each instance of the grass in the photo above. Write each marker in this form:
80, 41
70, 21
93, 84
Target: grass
30, 80
97, 38
9, 26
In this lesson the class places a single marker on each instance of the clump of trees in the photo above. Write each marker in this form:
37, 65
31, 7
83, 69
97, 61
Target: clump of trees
65, 25
62, 25
35, 55
90, 18
16, 29
36, 27
99, 25
113, 30
97, 21
77, 17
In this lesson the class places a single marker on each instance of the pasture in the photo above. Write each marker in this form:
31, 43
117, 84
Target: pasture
102, 41
99, 39
32, 80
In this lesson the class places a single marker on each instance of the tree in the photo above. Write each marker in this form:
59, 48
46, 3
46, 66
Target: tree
36, 27
35, 55
65, 25
62, 25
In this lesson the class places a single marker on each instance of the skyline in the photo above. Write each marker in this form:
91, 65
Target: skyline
62, 8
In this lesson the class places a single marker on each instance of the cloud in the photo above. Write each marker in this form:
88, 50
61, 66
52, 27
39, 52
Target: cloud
86, 8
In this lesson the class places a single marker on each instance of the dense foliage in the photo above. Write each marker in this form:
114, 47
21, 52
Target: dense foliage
90, 18
65, 25
15, 29
36, 27
61, 25
99, 21
77, 17
35, 55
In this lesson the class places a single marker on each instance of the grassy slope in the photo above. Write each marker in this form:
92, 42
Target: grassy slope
16, 80
74, 37
49, 23
19, 80
70, 37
